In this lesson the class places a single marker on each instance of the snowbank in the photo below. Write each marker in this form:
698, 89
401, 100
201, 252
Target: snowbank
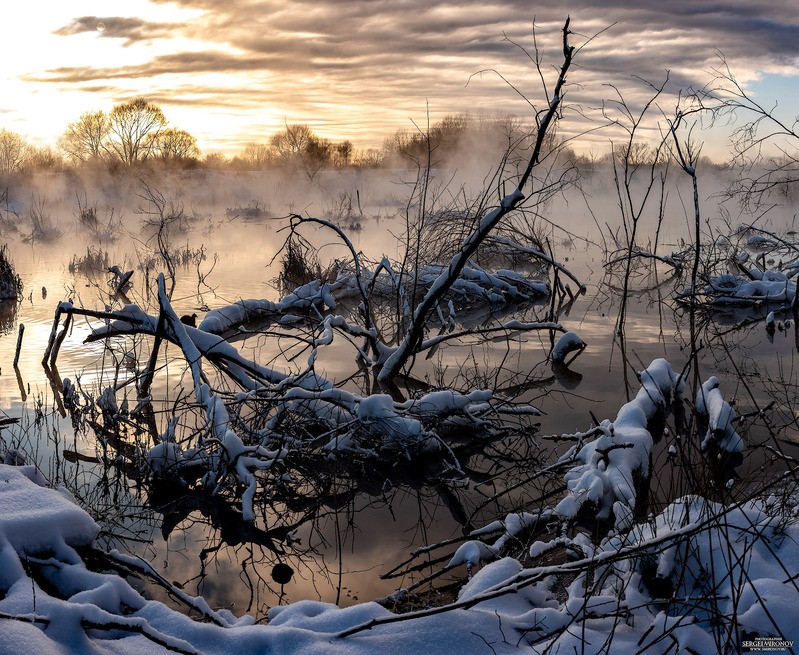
30, 513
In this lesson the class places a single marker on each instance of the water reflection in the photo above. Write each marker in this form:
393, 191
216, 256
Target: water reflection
340, 524
8, 316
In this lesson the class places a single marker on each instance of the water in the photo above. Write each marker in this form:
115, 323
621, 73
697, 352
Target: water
351, 526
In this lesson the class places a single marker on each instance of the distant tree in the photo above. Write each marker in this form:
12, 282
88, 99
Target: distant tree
176, 145
436, 143
256, 156
450, 131
13, 149
133, 130
298, 147
215, 161
43, 159
84, 139
317, 155
369, 158
639, 154
401, 144
342, 154
441, 143
292, 141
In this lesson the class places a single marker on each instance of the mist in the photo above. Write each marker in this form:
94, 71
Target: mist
203, 348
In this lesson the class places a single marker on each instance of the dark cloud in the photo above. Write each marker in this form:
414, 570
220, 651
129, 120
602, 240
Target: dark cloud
393, 58
132, 30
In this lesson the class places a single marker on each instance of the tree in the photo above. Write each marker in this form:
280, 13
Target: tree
133, 130
84, 139
765, 143
292, 141
369, 158
215, 161
12, 151
175, 144
298, 147
316, 156
43, 159
412, 342
256, 155
342, 154
637, 154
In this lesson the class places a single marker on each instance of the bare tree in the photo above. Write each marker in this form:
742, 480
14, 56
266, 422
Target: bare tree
342, 154
299, 148
176, 144
633, 155
84, 138
43, 159
215, 161
294, 140
13, 148
546, 118
256, 155
133, 130
765, 146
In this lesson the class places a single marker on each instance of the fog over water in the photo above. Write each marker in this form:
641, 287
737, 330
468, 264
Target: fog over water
230, 254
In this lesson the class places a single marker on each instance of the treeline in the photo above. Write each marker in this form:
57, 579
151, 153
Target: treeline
131, 134
137, 134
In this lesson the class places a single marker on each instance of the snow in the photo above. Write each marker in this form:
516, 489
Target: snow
314, 294
163, 458
31, 512
377, 414
600, 590
82, 611
572, 593
727, 289
471, 553
567, 343
610, 465
717, 418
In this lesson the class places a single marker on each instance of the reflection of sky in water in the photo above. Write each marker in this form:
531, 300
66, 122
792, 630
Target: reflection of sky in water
384, 529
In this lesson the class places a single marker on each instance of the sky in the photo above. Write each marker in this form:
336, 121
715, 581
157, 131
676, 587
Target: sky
237, 71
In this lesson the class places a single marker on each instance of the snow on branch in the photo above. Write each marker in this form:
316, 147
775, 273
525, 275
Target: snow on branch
394, 363
717, 419
611, 464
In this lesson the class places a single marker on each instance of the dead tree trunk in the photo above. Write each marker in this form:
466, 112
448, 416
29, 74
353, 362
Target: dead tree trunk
397, 360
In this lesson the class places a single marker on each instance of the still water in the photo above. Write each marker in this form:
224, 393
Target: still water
228, 249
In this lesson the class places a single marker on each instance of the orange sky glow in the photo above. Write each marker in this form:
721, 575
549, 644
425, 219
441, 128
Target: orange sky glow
235, 72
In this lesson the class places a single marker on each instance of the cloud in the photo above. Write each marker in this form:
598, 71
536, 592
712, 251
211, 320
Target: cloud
133, 30
393, 58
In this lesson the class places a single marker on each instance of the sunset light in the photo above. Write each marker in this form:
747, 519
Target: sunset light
399, 327
235, 72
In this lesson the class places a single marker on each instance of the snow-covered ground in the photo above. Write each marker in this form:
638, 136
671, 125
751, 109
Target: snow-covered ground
700, 577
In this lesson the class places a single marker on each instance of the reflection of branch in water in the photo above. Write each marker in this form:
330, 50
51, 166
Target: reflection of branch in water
22, 392
56, 385
176, 504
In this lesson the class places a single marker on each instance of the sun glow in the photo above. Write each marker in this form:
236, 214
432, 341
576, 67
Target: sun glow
231, 72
